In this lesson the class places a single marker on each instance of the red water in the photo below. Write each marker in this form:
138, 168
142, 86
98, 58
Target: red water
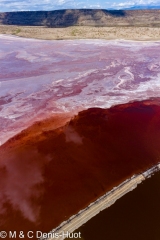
49, 174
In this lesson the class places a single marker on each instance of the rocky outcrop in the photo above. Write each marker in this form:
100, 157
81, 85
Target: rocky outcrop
82, 17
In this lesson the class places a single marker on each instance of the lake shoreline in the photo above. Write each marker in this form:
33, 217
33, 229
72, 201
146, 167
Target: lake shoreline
83, 32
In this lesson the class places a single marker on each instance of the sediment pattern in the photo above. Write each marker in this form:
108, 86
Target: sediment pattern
41, 78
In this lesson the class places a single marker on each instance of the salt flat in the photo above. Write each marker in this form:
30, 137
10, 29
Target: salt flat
39, 78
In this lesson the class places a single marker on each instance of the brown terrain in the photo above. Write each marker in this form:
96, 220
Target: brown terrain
83, 23
83, 32
83, 17
53, 169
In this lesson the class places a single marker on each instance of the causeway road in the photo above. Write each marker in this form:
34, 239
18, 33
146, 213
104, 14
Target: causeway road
100, 204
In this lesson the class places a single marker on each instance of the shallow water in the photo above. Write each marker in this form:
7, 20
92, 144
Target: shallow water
69, 76
39, 77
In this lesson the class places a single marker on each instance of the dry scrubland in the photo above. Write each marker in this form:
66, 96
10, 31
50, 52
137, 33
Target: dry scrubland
83, 32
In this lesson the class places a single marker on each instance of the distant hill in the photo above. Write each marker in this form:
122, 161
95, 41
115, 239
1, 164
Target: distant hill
143, 7
82, 17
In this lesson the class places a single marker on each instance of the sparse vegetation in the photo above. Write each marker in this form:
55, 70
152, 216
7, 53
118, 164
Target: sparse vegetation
84, 32
74, 32
16, 31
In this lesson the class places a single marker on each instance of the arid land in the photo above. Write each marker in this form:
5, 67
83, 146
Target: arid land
83, 24
83, 32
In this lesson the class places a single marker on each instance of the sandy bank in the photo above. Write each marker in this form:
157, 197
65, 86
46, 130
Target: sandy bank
83, 32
